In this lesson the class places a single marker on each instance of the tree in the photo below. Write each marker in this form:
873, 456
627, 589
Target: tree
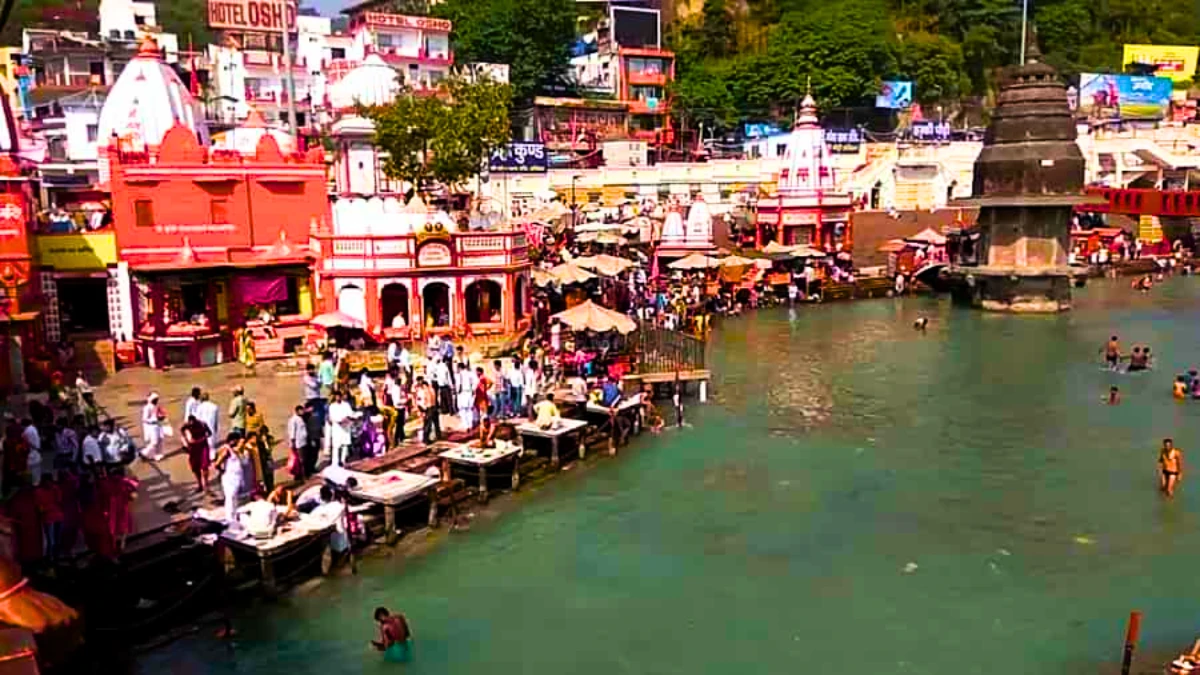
444, 138
533, 37
934, 64
717, 28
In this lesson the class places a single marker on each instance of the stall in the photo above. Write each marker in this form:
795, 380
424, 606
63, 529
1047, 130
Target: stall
564, 428
392, 490
293, 543
481, 460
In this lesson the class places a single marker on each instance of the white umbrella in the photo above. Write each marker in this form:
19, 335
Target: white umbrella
608, 265
570, 273
593, 317
694, 261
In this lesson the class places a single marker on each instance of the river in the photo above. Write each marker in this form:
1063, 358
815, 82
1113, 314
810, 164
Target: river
856, 497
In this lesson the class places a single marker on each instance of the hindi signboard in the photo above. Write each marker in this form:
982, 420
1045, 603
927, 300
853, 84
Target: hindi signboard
928, 131
1175, 62
262, 16
519, 157
843, 141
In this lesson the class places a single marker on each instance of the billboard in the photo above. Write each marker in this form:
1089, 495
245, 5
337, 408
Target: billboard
761, 129
1172, 61
1130, 97
895, 94
928, 131
264, 16
519, 158
843, 141
636, 27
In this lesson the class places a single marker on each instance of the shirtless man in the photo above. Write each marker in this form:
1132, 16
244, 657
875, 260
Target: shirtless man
1112, 352
1170, 460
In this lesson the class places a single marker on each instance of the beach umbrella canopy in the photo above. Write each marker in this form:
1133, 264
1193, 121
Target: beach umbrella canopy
593, 317
543, 278
571, 273
775, 248
694, 261
608, 265
337, 320
735, 261
929, 236
806, 252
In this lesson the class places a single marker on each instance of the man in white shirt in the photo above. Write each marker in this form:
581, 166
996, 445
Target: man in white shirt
209, 413
333, 511
298, 435
92, 453
516, 388
340, 417
465, 395
405, 361
152, 430
30, 435
533, 383
113, 442
191, 407
440, 375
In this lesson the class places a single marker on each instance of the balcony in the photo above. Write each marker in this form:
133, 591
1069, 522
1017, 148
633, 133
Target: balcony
650, 78
469, 250
643, 107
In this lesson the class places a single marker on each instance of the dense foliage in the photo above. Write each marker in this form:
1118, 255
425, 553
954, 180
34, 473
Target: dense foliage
532, 36
751, 59
442, 139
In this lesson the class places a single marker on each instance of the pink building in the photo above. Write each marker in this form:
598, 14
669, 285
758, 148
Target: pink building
808, 209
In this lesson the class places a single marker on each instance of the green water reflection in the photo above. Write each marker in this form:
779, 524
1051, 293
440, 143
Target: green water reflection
857, 498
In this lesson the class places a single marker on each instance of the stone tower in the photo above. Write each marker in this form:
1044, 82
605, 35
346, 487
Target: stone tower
1028, 178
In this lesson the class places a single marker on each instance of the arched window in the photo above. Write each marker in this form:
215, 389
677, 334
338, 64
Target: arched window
352, 302
436, 299
393, 306
484, 302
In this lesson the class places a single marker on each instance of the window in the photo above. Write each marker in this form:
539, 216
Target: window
143, 212
93, 131
436, 76
645, 93
337, 53
139, 19
780, 149
57, 147
218, 210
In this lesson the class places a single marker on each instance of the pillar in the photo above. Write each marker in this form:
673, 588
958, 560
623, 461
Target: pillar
508, 300
415, 312
374, 316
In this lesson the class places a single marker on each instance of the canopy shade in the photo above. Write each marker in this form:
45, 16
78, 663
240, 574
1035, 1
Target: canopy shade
543, 278
337, 320
593, 317
607, 265
694, 261
735, 261
928, 236
570, 273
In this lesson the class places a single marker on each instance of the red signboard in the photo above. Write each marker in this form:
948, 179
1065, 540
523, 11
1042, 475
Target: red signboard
266, 16
402, 21
13, 219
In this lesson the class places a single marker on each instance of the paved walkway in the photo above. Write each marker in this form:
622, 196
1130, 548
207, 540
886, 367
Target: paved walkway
170, 480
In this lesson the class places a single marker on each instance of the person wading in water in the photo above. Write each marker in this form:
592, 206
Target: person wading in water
1170, 460
1112, 352
395, 637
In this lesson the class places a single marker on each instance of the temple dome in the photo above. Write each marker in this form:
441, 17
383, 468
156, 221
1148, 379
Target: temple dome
245, 138
148, 99
372, 82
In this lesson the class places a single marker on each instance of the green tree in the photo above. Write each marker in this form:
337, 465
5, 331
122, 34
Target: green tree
445, 138
934, 64
188, 19
717, 28
532, 36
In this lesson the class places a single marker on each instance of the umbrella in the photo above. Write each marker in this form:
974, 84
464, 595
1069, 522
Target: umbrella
543, 278
694, 261
775, 248
593, 317
337, 320
929, 236
608, 265
600, 227
570, 273
806, 252
763, 263
735, 261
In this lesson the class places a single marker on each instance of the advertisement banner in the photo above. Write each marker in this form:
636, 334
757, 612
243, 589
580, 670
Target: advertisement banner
761, 129
90, 252
519, 158
928, 131
895, 94
843, 141
265, 16
1176, 62
1130, 97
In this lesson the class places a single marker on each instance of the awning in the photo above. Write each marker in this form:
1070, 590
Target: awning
593, 317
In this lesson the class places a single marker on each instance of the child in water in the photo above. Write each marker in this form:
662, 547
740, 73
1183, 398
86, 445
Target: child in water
1114, 396
1179, 389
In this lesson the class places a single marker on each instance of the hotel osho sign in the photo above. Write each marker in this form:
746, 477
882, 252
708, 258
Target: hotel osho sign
252, 15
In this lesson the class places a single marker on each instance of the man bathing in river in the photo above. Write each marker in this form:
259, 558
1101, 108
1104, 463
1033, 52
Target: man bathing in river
1170, 461
395, 637
1112, 352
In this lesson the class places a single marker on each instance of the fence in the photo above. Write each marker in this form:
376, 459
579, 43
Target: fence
667, 351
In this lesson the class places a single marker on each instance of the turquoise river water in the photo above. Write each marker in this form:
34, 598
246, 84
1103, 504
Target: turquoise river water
856, 497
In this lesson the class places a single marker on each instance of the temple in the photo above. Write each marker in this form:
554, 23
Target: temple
808, 209
404, 269
680, 236
1028, 178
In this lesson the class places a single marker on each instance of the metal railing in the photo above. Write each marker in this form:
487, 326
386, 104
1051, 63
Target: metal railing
667, 351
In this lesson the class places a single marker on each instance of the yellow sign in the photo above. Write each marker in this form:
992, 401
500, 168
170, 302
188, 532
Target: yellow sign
1172, 61
77, 251
1149, 229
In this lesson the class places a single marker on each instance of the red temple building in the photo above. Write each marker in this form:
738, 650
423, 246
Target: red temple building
19, 298
808, 209
404, 269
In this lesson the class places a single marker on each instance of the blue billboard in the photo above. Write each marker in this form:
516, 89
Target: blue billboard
761, 129
519, 158
895, 94
1129, 97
